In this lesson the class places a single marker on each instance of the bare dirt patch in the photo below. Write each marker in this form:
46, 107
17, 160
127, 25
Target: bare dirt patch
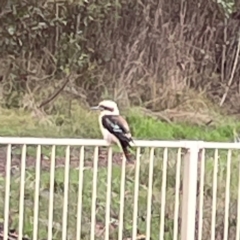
59, 161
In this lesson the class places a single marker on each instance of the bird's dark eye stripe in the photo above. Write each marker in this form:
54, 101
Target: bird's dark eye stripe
106, 108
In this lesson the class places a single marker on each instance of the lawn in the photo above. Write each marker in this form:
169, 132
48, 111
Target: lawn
83, 124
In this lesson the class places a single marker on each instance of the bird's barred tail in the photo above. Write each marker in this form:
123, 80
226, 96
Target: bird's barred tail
127, 154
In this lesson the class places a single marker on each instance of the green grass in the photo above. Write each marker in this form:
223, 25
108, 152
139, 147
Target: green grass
83, 124
87, 194
115, 196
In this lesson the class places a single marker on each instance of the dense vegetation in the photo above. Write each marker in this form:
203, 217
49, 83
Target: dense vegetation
169, 56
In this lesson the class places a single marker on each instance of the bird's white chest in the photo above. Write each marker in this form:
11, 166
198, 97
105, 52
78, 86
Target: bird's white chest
107, 136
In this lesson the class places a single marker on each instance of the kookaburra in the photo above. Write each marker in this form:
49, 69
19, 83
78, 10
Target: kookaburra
114, 127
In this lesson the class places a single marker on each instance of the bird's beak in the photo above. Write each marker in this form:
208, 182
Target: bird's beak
95, 108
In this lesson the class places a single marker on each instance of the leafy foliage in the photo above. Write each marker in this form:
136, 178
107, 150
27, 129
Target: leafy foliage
137, 52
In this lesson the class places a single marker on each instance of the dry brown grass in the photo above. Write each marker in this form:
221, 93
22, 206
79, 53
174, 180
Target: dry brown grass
142, 53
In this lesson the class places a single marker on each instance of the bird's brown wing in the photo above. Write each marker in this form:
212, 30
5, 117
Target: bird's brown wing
116, 125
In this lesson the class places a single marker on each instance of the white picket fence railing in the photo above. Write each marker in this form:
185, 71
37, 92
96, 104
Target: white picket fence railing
189, 208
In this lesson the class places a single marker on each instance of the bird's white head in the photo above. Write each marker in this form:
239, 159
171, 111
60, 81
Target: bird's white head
107, 107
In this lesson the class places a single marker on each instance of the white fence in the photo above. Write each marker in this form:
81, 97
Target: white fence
187, 224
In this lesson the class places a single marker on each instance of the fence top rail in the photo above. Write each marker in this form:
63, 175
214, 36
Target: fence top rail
100, 142
85, 142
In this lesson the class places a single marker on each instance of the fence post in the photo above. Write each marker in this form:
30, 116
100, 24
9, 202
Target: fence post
189, 193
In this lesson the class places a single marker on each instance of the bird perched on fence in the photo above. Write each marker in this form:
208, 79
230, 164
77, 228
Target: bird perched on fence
113, 126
